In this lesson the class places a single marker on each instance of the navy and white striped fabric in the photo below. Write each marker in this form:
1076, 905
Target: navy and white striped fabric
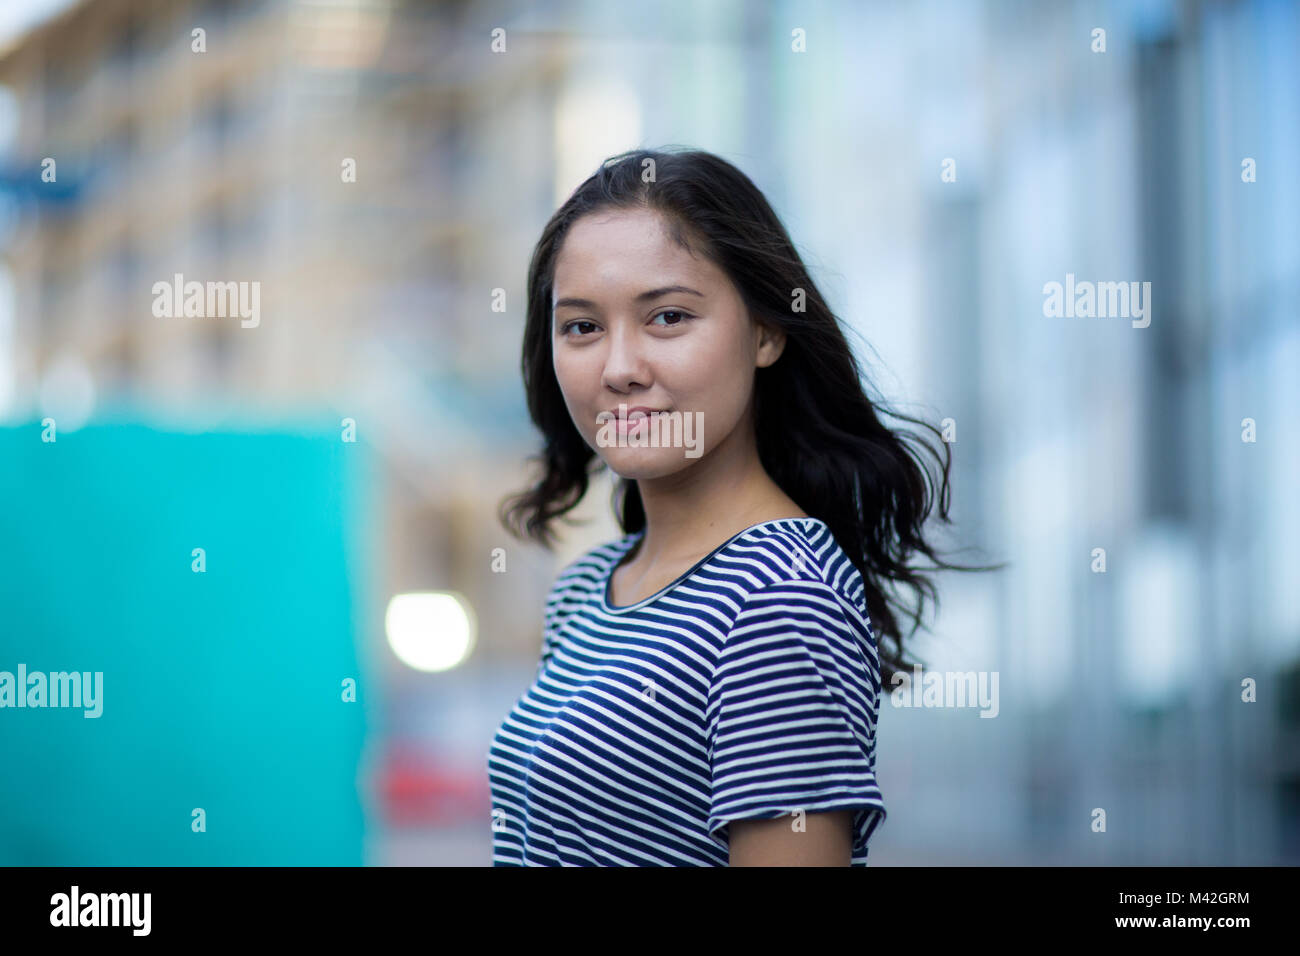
746, 689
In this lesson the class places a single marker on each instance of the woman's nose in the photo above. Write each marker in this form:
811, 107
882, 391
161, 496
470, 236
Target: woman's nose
625, 361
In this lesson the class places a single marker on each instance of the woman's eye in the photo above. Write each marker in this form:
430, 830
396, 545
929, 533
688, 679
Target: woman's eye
575, 325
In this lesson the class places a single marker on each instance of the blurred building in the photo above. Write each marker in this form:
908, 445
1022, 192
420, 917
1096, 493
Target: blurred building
341, 156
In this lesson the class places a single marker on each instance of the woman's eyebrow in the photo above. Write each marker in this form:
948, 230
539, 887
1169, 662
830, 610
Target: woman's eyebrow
646, 296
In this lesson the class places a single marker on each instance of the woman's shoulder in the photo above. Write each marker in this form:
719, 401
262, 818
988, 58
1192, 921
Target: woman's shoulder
587, 571
794, 569
594, 560
793, 552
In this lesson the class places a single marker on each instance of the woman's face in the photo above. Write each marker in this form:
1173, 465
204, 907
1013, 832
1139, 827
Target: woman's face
637, 321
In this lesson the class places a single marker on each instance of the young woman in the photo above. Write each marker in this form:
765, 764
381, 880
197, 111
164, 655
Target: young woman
710, 682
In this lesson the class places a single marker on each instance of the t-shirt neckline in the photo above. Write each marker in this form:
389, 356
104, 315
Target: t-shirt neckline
631, 539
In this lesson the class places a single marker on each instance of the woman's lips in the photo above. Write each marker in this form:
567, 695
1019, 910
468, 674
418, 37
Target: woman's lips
635, 420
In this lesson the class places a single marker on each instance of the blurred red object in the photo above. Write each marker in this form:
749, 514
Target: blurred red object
418, 787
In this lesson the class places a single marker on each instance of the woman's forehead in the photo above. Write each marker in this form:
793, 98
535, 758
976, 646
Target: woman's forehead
625, 256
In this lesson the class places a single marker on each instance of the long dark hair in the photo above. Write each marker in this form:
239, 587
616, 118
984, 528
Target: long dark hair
818, 434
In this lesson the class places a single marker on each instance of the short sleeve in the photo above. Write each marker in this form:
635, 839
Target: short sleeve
792, 712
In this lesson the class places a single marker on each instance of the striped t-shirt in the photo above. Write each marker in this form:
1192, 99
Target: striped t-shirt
747, 689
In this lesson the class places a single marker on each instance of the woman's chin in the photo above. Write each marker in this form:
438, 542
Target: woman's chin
640, 464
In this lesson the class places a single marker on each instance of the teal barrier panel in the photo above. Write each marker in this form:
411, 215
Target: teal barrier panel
225, 735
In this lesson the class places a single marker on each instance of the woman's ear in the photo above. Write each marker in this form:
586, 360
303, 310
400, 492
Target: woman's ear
771, 343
